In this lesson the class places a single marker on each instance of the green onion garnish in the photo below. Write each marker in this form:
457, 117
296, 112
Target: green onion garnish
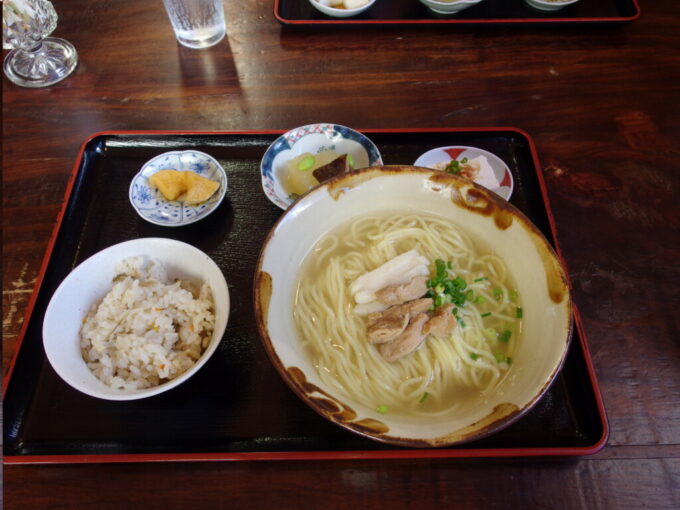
513, 295
350, 161
518, 312
500, 357
505, 336
497, 293
508, 360
445, 290
481, 279
485, 314
474, 356
382, 409
453, 167
424, 397
480, 300
462, 323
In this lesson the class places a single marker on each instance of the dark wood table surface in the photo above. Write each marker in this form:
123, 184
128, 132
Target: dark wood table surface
601, 104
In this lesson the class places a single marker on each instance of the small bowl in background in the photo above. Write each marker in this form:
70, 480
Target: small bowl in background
450, 6
312, 138
151, 205
340, 12
550, 5
445, 154
90, 281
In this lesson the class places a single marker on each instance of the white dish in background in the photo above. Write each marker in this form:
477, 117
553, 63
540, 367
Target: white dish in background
444, 154
91, 280
151, 205
340, 12
312, 138
550, 5
449, 7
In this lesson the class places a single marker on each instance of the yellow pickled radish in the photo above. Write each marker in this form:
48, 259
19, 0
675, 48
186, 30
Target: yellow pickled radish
170, 183
199, 188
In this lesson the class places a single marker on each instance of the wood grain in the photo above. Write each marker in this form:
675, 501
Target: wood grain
601, 105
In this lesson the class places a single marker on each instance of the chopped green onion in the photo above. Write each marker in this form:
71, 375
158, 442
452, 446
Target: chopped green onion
444, 290
497, 293
500, 357
480, 300
382, 409
485, 314
440, 268
508, 360
462, 323
505, 336
481, 279
518, 312
453, 167
424, 397
306, 163
350, 161
469, 295
513, 295
464, 160
474, 356
459, 283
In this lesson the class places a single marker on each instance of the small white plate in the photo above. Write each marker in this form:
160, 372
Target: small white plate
154, 208
458, 152
312, 138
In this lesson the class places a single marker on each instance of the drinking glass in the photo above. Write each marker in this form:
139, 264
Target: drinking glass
197, 23
35, 60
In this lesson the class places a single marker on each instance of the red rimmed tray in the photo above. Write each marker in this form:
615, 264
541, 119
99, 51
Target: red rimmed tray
489, 12
237, 407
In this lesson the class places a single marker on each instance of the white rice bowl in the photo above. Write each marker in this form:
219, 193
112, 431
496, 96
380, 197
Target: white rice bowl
136, 319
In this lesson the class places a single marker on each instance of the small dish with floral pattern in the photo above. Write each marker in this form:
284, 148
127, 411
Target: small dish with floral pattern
151, 205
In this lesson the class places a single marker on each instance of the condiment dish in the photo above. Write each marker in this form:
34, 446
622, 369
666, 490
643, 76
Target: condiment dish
312, 138
150, 204
435, 157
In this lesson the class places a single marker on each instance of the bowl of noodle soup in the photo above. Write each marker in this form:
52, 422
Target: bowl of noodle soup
479, 258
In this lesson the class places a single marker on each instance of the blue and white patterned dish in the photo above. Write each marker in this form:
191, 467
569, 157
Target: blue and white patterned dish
153, 207
312, 138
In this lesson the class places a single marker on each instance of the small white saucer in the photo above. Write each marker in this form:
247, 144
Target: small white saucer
444, 154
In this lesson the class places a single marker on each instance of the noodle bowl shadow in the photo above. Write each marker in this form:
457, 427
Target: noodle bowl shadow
538, 353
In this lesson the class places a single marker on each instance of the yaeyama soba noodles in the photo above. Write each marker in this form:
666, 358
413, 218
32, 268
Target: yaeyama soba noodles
464, 283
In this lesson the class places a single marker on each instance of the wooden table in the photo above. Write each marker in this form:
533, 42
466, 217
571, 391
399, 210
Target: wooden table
602, 106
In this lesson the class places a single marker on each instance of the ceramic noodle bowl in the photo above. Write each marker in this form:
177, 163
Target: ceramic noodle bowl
546, 324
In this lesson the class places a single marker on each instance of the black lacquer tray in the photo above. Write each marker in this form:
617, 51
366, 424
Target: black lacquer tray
237, 407
487, 12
